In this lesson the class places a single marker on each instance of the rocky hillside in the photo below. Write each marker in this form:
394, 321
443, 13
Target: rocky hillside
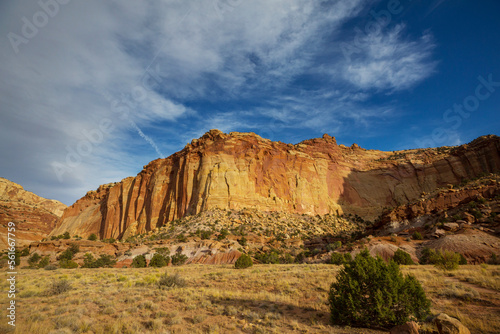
35, 217
242, 170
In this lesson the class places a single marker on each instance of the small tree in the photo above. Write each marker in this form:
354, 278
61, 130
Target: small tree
66, 235
370, 293
244, 261
179, 259
139, 261
159, 261
401, 257
44, 262
340, 258
92, 237
33, 259
417, 236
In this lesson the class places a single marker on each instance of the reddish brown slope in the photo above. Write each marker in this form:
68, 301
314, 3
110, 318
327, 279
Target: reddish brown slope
34, 217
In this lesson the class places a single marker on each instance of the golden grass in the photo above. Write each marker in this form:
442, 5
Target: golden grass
220, 299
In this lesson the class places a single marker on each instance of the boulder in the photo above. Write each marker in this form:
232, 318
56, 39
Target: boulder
407, 328
451, 226
448, 325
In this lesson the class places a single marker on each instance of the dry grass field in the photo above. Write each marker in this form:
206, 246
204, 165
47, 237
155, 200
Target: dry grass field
221, 299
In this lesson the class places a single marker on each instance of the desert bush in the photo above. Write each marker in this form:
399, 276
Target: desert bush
446, 260
242, 241
179, 259
68, 264
159, 260
58, 287
463, 260
181, 238
333, 246
25, 252
50, 267
494, 259
66, 235
104, 261
92, 237
44, 262
401, 257
340, 258
171, 281
417, 236
139, 261
223, 234
34, 259
244, 261
271, 257
370, 293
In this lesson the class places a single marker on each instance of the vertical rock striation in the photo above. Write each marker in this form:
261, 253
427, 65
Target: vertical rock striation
238, 170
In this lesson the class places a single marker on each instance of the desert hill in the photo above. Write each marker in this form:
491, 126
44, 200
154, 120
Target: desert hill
35, 217
242, 170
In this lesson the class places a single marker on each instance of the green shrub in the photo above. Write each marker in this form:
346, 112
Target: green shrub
179, 259
181, 238
430, 256
159, 261
370, 293
92, 237
139, 262
446, 260
66, 235
34, 259
242, 241
450, 260
223, 234
494, 259
417, 236
105, 261
271, 257
333, 246
401, 257
171, 281
340, 258
25, 252
463, 260
44, 262
68, 264
244, 261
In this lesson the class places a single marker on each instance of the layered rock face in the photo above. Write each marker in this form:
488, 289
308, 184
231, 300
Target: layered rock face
243, 170
34, 216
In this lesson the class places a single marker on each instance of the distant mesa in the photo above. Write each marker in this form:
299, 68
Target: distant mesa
243, 170
34, 216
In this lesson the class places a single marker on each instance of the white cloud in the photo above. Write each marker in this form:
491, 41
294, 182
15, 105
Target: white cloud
388, 61
156, 58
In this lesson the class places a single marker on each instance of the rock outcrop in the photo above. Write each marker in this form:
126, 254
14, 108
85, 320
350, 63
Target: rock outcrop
238, 170
34, 216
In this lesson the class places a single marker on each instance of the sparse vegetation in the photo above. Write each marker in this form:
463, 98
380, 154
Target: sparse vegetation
92, 237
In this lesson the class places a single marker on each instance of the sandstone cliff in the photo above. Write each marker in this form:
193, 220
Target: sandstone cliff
35, 217
238, 170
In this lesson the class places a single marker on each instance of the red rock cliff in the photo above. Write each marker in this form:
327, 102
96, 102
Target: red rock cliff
240, 170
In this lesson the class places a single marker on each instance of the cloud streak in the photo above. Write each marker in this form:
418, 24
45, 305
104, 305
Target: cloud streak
159, 72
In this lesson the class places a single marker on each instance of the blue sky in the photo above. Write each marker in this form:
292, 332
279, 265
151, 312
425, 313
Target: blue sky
90, 91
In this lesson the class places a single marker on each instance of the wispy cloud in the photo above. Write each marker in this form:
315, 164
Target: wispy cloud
157, 68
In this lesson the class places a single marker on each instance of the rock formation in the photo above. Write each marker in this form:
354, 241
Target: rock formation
243, 170
34, 217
